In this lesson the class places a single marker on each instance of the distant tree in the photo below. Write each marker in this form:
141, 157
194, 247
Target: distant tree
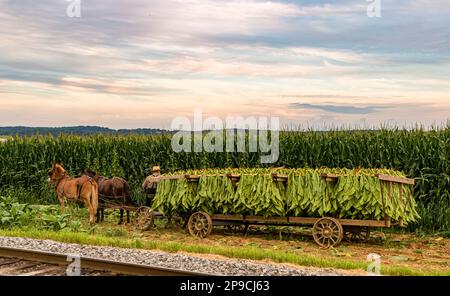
74, 130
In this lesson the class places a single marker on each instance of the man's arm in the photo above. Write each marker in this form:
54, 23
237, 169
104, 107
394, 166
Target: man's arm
144, 185
150, 183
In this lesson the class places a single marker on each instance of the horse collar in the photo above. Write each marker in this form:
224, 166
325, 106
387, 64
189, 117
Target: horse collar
63, 176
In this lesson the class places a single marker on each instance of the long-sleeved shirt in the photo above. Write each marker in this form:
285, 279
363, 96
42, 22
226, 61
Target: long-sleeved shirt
151, 183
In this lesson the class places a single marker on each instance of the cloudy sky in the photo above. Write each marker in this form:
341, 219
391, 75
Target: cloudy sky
140, 63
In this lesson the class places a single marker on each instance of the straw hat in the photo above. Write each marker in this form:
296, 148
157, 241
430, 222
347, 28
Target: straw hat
156, 169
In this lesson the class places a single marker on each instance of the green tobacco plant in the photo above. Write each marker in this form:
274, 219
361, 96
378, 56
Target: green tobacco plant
13, 214
55, 222
19, 215
355, 195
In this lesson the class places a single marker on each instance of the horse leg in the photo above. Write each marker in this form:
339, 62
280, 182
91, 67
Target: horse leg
61, 202
103, 214
121, 217
91, 213
98, 215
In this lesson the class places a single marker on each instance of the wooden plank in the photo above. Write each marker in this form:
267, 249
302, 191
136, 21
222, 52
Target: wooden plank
395, 179
47, 270
234, 176
368, 223
302, 220
8, 262
280, 177
228, 217
18, 268
330, 177
174, 177
388, 223
265, 219
192, 177
382, 200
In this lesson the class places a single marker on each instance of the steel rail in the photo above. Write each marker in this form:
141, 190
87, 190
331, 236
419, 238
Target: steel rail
95, 263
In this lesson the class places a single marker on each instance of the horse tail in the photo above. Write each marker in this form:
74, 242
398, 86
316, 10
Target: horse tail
94, 195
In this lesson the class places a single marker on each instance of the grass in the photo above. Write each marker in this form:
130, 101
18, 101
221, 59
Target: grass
245, 252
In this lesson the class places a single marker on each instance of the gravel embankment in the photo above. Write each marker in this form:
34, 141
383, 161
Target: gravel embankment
205, 264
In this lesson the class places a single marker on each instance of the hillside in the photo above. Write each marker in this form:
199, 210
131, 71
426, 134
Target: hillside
74, 130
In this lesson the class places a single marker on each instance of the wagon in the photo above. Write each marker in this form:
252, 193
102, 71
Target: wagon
326, 231
144, 217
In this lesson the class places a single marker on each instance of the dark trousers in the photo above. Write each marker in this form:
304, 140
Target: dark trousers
149, 199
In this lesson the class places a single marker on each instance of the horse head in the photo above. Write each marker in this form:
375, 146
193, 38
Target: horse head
56, 173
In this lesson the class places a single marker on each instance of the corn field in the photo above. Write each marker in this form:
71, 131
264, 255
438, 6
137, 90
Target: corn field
421, 154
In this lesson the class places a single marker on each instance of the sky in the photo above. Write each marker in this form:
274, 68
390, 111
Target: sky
142, 63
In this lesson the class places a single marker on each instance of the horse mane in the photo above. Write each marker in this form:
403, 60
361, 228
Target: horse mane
89, 172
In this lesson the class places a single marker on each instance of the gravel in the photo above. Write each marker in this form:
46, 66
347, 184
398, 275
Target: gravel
204, 264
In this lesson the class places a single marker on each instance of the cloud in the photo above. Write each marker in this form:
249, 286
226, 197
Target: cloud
342, 109
170, 56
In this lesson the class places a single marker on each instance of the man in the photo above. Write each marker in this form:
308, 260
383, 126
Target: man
150, 184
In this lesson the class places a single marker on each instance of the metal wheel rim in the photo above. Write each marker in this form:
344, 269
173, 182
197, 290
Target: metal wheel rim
200, 224
327, 232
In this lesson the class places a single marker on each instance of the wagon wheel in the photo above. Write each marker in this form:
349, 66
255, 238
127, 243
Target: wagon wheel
200, 224
358, 234
144, 218
327, 232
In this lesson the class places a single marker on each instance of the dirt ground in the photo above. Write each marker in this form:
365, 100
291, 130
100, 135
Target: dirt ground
424, 253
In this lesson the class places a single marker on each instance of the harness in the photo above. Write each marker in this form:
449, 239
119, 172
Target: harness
80, 185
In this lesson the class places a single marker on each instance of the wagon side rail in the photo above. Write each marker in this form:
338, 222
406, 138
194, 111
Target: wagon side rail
399, 181
297, 220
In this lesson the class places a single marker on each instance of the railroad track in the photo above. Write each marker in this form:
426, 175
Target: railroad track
24, 262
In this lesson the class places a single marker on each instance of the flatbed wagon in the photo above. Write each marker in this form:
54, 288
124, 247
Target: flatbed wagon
326, 231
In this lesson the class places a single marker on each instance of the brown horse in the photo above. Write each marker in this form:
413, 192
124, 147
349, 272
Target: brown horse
83, 188
113, 193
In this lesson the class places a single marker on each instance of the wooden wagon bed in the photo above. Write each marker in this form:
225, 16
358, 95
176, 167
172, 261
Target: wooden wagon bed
327, 231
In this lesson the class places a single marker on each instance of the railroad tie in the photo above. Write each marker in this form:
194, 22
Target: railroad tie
8, 262
5, 271
47, 270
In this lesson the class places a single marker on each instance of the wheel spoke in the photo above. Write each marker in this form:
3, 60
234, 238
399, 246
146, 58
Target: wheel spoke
321, 239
